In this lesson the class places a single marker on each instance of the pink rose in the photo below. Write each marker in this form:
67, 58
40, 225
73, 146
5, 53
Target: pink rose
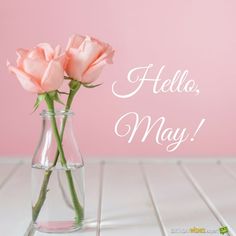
86, 58
40, 69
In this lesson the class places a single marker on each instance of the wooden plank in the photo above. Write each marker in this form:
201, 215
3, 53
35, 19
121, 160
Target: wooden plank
230, 168
15, 203
156, 202
220, 188
180, 207
6, 172
92, 185
126, 206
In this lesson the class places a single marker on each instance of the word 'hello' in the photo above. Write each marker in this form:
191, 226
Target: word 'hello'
178, 84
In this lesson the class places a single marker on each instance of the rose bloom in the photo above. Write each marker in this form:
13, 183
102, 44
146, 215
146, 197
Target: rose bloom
39, 69
86, 58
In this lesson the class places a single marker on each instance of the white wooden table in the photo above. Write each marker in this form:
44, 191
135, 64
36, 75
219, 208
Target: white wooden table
135, 198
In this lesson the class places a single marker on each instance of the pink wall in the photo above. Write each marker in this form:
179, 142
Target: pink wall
196, 35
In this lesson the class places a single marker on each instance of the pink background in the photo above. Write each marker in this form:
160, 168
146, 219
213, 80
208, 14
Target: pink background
196, 35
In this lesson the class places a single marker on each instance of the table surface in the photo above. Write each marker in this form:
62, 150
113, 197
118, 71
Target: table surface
134, 197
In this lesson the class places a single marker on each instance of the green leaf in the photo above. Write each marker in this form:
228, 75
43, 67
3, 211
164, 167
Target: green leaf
57, 99
40, 98
53, 95
91, 85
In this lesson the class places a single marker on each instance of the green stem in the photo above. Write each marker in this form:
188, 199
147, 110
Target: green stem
50, 105
67, 108
43, 192
78, 208
42, 196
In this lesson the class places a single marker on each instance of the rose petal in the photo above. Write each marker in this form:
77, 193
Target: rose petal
53, 76
21, 54
36, 53
107, 55
63, 59
74, 41
35, 67
25, 80
48, 50
73, 67
81, 58
103, 45
57, 51
93, 72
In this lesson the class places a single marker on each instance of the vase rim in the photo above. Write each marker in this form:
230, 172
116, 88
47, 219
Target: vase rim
46, 113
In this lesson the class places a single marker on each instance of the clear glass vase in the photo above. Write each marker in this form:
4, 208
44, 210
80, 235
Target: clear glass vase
57, 176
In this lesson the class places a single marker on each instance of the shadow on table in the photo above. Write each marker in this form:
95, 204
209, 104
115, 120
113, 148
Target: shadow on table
110, 223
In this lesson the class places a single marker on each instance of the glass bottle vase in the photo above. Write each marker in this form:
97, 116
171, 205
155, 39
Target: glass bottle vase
57, 176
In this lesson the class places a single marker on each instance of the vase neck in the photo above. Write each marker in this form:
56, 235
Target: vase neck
57, 127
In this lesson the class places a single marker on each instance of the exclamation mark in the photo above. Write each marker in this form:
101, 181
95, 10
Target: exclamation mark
198, 128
